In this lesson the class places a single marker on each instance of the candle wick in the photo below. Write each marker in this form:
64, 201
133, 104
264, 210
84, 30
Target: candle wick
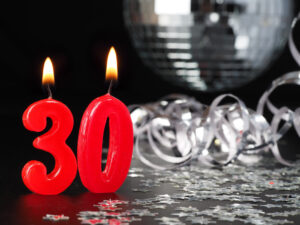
110, 87
49, 91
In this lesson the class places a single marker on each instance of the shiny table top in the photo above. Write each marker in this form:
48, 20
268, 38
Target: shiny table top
266, 194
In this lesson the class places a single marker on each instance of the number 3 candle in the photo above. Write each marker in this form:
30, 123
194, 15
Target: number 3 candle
34, 173
89, 152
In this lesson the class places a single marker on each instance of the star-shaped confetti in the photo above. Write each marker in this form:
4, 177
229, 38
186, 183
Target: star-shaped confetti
55, 217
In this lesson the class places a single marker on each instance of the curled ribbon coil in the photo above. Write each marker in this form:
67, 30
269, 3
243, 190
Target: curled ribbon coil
178, 129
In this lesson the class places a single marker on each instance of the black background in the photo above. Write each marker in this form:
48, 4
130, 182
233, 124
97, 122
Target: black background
77, 37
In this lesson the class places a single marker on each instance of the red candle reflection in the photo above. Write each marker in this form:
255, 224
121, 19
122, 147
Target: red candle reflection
32, 208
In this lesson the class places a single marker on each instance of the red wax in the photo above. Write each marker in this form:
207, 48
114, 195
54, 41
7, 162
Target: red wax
89, 152
34, 173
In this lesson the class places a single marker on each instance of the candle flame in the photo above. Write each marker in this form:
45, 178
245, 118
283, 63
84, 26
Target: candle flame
112, 65
48, 72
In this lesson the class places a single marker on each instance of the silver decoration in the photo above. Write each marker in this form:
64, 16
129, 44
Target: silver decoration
178, 129
208, 45
216, 135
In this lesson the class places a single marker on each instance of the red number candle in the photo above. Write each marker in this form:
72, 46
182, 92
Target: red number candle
89, 152
34, 173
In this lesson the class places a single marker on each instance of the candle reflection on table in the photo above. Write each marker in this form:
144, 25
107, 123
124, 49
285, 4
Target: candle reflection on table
31, 208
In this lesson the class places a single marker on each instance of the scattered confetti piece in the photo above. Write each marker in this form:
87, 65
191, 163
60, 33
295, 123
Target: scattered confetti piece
55, 217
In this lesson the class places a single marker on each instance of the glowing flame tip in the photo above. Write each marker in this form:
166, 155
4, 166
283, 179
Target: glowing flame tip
112, 65
48, 72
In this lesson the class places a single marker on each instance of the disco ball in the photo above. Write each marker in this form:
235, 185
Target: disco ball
208, 45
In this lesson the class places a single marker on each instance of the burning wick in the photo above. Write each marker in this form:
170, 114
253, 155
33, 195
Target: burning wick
49, 91
110, 87
111, 68
48, 75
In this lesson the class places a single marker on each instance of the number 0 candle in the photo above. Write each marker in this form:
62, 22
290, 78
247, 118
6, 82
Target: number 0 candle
92, 126
34, 173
